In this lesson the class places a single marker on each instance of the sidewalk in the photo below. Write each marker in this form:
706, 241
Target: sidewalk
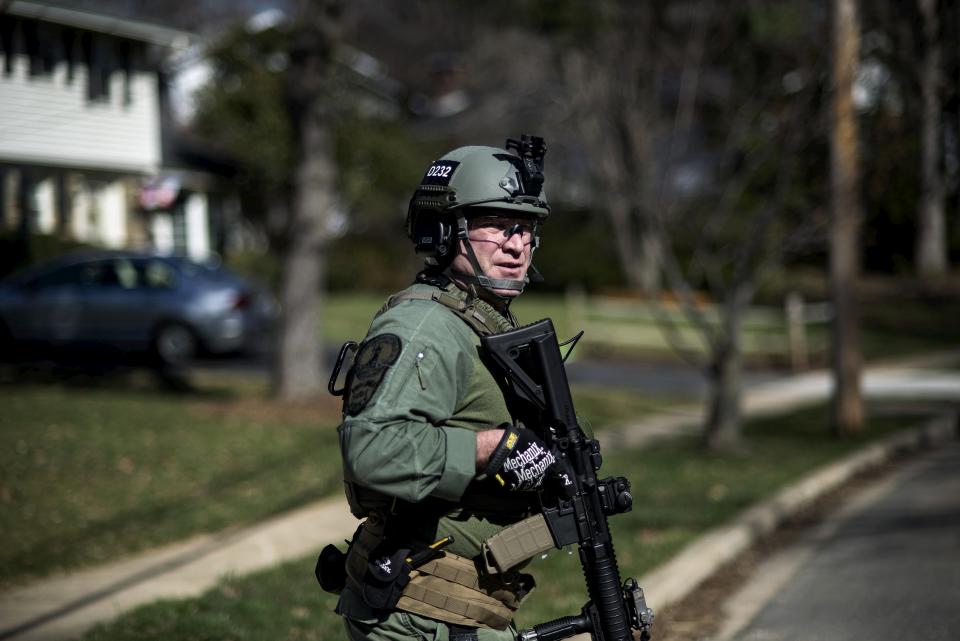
60, 608
912, 379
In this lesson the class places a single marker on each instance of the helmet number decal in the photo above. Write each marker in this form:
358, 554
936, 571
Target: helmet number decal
440, 172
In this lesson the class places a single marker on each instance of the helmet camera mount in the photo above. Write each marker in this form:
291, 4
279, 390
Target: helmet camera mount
530, 150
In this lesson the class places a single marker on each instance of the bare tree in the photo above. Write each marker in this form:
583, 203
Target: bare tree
614, 102
737, 245
846, 221
723, 236
931, 250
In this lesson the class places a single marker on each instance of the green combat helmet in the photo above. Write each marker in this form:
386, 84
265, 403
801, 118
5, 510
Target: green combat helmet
477, 177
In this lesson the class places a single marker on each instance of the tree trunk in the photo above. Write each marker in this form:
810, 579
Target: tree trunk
618, 211
650, 259
722, 430
299, 366
931, 249
298, 369
847, 410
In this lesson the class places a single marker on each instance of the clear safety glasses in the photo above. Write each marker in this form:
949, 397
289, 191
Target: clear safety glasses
500, 230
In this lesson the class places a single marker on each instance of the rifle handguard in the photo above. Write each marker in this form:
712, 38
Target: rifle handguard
507, 442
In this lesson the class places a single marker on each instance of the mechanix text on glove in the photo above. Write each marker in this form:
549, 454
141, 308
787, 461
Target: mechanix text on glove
521, 461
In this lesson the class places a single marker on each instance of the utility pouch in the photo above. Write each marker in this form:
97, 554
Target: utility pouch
331, 570
387, 576
517, 543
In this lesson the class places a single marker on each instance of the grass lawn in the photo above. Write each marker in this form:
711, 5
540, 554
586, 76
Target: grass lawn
889, 330
89, 473
679, 493
347, 316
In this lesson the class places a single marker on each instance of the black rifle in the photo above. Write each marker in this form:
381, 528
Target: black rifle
527, 364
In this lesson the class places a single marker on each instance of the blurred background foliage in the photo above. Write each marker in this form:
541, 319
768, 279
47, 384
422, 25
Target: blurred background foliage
760, 73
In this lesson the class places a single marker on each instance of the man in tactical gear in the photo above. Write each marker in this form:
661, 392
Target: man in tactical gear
434, 463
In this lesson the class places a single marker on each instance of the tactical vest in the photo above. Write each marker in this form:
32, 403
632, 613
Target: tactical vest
478, 314
484, 320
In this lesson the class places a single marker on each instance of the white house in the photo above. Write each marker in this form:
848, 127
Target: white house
81, 144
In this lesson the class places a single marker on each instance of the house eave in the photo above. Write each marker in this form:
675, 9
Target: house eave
132, 29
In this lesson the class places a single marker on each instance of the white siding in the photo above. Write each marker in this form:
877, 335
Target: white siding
45, 120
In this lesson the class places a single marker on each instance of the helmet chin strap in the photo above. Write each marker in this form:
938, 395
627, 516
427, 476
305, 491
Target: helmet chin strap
478, 277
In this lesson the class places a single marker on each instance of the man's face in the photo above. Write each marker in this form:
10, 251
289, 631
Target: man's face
503, 246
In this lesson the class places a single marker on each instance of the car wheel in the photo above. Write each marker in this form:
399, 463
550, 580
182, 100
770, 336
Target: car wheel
174, 344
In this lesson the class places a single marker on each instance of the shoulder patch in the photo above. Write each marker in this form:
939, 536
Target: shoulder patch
374, 358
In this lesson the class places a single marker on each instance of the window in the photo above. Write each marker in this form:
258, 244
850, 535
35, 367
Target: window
127, 274
8, 30
70, 275
68, 40
100, 273
42, 46
96, 57
125, 56
158, 275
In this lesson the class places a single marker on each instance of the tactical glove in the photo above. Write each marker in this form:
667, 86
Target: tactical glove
521, 461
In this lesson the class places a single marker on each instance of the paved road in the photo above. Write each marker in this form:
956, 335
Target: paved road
676, 380
885, 566
904, 378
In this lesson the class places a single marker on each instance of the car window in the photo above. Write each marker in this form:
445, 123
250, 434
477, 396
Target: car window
70, 275
125, 273
99, 274
128, 276
158, 274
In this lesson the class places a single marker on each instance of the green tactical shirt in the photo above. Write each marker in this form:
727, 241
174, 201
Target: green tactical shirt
415, 404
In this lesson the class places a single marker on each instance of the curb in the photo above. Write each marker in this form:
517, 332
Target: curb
677, 578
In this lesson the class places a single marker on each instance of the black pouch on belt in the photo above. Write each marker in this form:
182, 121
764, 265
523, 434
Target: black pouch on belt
387, 576
331, 570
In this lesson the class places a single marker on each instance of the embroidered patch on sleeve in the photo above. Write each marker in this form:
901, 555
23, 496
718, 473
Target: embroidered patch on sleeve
373, 360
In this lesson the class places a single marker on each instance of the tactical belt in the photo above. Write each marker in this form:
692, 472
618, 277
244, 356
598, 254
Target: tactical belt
449, 589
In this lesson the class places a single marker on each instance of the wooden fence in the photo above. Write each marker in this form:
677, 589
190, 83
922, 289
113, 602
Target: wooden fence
795, 334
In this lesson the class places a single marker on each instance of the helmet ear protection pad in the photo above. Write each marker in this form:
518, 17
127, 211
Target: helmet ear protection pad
431, 229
